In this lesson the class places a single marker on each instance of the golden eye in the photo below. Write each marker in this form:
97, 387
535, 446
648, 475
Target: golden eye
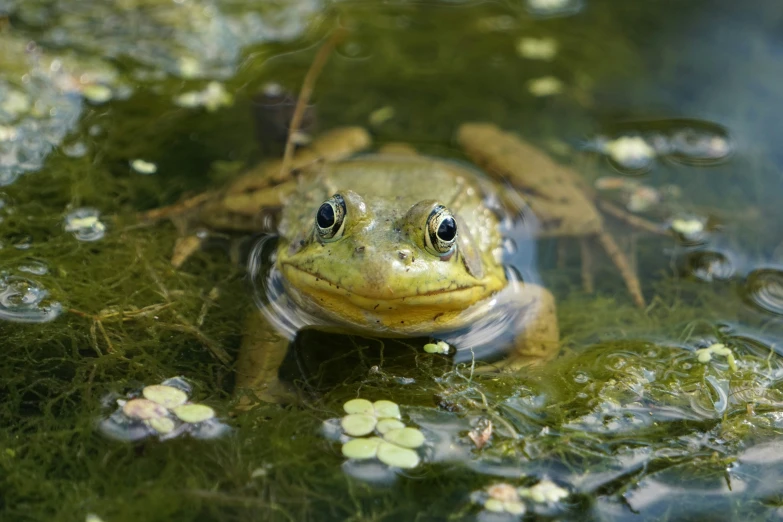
441, 233
330, 217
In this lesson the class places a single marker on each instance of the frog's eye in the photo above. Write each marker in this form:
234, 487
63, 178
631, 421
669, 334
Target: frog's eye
441, 234
329, 218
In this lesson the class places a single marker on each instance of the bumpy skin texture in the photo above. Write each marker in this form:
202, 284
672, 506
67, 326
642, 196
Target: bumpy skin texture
380, 273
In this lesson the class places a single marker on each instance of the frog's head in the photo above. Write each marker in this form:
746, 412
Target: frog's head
371, 263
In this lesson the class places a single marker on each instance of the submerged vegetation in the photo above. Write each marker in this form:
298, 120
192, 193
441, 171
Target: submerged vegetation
633, 421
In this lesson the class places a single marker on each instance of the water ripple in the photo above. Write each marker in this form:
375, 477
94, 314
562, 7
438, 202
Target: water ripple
764, 289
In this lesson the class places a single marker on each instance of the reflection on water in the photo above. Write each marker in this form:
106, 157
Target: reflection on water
669, 113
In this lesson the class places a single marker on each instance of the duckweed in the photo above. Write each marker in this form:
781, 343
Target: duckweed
688, 227
144, 167
545, 491
359, 406
405, 437
143, 409
361, 448
85, 224
704, 355
193, 413
386, 425
396, 449
166, 396
396, 456
439, 347
498, 506
387, 410
162, 425
358, 424
164, 411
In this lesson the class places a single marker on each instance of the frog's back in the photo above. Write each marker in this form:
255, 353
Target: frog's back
405, 179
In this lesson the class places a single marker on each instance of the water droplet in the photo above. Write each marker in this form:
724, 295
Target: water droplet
24, 301
84, 224
764, 289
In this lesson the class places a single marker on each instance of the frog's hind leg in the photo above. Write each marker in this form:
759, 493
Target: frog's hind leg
539, 340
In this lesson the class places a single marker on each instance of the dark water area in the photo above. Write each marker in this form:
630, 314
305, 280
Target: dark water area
668, 112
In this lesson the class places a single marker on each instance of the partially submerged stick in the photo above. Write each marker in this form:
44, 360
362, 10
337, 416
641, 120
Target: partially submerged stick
304, 96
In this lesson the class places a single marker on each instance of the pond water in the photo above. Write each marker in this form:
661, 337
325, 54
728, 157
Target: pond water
669, 112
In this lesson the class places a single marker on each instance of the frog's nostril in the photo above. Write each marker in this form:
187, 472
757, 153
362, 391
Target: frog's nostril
405, 255
359, 250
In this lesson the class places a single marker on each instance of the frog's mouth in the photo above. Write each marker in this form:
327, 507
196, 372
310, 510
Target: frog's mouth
373, 306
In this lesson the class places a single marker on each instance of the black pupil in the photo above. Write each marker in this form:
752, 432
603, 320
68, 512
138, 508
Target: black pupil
325, 217
447, 229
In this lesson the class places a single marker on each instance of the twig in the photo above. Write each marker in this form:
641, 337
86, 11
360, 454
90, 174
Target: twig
304, 96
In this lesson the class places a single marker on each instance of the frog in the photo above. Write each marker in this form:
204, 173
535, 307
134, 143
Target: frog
395, 244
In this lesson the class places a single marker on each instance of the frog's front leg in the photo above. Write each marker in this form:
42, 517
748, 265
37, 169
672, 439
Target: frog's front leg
260, 357
539, 339
520, 318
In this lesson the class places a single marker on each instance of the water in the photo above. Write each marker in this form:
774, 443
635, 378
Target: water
670, 112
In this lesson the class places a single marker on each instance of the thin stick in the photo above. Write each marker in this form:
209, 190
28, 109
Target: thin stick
635, 221
587, 265
621, 262
304, 97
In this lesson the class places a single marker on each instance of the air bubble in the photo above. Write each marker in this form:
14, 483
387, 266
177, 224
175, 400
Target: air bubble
24, 301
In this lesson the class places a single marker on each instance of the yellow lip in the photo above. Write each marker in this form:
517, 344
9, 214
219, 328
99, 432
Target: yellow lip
401, 312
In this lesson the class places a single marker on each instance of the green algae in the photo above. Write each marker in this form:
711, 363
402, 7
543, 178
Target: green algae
626, 409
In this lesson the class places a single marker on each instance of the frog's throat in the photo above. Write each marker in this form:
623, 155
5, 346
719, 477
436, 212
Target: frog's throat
403, 313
